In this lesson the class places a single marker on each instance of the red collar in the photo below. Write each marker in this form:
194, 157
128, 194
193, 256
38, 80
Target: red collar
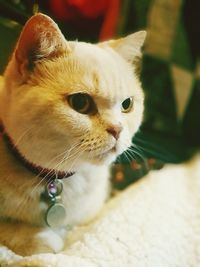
48, 174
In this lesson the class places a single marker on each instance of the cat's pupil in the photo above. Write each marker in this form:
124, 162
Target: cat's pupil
82, 103
127, 104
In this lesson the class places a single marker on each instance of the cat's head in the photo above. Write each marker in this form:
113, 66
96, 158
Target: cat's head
68, 103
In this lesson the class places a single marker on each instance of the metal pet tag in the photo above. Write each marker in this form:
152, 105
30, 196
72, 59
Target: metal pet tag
55, 215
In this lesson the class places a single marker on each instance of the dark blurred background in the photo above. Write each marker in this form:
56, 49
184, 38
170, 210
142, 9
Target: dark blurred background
170, 67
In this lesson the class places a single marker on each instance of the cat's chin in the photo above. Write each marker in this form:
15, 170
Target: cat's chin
104, 158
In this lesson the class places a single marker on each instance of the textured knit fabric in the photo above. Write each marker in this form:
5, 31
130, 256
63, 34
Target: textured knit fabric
153, 223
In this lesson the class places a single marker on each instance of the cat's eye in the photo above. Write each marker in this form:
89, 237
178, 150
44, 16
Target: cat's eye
127, 105
82, 103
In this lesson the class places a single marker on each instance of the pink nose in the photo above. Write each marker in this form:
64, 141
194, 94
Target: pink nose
114, 131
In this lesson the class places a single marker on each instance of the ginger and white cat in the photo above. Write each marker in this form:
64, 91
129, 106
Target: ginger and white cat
69, 108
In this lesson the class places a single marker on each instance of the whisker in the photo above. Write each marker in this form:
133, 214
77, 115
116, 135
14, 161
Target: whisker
20, 138
62, 160
132, 154
127, 156
43, 179
83, 149
136, 151
22, 203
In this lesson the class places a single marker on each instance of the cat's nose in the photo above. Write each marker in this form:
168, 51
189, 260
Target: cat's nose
115, 131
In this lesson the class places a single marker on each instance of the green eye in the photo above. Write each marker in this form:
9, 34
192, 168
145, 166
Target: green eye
82, 103
127, 105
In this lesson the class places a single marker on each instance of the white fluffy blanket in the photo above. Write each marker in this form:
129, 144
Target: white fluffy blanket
153, 223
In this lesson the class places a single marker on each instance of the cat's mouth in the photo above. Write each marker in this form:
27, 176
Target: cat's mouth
106, 154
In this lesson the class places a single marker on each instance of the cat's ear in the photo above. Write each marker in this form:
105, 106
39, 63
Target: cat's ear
130, 46
40, 39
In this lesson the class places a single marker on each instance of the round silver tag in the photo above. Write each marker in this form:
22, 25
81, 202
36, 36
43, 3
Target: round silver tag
55, 215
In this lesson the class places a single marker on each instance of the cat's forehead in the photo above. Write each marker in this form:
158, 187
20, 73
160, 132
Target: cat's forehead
95, 71
102, 70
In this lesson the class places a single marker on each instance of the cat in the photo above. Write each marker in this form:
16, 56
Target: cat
67, 110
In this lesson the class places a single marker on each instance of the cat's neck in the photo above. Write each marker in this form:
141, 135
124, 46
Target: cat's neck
46, 174
84, 189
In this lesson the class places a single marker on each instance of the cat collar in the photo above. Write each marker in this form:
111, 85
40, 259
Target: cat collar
47, 174
56, 213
